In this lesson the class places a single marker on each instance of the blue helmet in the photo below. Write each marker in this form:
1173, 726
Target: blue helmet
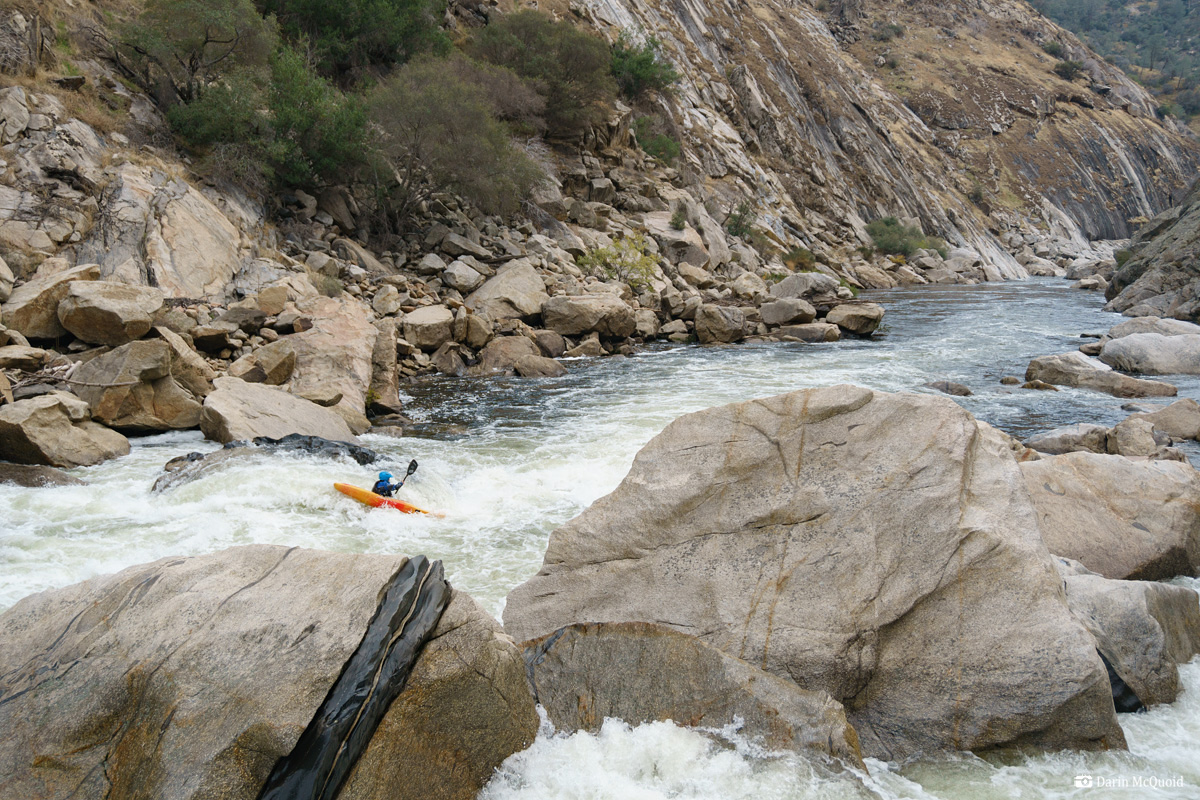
385, 476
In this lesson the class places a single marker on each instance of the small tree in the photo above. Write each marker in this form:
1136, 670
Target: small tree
438, 131
1068, 70
624, 260
639, 68
175, 49
740, 220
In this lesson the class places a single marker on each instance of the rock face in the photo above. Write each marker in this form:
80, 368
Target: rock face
100, 312
1076, 369
720, 324
605, 314
334, 356
429, 328
639, 673
911, 516
1154, 354
862, 319
132, 389
1144, 629
239, 410
1123, 519
1180, 420
55, 430
516, 292
192, 677
32, 477
1160, 279
32, 308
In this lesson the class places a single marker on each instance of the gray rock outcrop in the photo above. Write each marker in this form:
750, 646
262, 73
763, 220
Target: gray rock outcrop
32, 308
133, 389
606, 314
516, 292
1076, 369
1121, 518
1154, 354
239, 410
910, 516
720, 324
107, 313
861, 319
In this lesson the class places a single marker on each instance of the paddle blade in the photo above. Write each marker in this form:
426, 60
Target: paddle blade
412, 467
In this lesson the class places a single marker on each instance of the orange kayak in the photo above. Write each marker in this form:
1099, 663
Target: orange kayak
369, 498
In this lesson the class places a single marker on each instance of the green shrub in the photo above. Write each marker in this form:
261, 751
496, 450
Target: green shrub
625, 260
885, 32
229, 111
975, 195
1169, 109
567, 66
638, 68
1053, 48
1122, 257
800, 258
653, 142
1068, 70
349, 35
326, 285
892, 238
741, 219
439, 132
679, 217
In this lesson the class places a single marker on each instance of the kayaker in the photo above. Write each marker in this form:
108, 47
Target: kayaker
384, 486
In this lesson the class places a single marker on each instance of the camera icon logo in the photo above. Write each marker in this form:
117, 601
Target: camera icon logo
1083, 781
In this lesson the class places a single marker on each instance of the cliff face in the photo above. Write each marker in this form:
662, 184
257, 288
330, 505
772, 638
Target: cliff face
947, 112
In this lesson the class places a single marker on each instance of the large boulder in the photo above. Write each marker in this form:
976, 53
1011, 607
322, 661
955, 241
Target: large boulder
502, 354
192, 678
384, 393
720, 324
32, 308
1076, 369
1082, 436
861, 319
1165, 327
516, 292
806, 286
56, 430
6, 281
334, 356
606, 314
811, 332
239, 410
114, 314
132, 389
35, 476
787, 311
679, 246
639, 672
187, 366
1180, 420
1142, 628
429, 327
271, 364
461, 276
1119, 517
1154, 354
878, 547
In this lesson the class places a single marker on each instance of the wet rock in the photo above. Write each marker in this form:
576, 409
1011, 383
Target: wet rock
1040, 386
1180, 420
516, 292
132, 389
720, 324
1076, 369
606, 314
640, 672
1092, 283
1143, 629
32, 308
193, 466
502, 353
240, 410
950, 388
56, 430
34, 477
861, 319
538, 367
1124, 519
730, 516
1081, 437
1010, 380
1154, 354
788, 311
812, 332
107, 313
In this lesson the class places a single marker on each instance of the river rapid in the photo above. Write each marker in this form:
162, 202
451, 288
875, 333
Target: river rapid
509, 460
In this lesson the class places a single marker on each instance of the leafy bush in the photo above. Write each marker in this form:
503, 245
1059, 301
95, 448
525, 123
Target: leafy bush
625, 260
1122, 257
741, 219
892, 238
885, 32
638, 68
1169, 109
1053, 48
1068, 70
679, 217
653, 142
567, 66
800, 258
318, 131
349, 35
975, 195
439, 132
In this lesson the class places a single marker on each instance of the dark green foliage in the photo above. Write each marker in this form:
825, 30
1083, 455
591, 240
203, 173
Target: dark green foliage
1122, 257
801, 259
679, 217
892, 238
229, 111
1068, 70
440, 132
349, 35
639, 68
886, 31
1053, 48
975, 195
174, 49
655, 143
741, 219
567, 66
318, 131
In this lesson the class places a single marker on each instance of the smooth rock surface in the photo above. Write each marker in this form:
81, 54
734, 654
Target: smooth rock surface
1123, 519
334, 356
940, 621
1154, 354
861, 319
720, 324
133, 390
55, 430
107, 313
32, 308
1076, 369
239, 410
516, 292
606, 314
1081, 436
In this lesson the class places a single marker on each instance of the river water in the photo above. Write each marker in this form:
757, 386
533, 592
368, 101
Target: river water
508, 460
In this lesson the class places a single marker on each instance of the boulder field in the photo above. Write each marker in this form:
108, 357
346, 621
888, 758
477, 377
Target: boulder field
838, 571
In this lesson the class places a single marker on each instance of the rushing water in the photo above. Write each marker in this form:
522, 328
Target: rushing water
509, 460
